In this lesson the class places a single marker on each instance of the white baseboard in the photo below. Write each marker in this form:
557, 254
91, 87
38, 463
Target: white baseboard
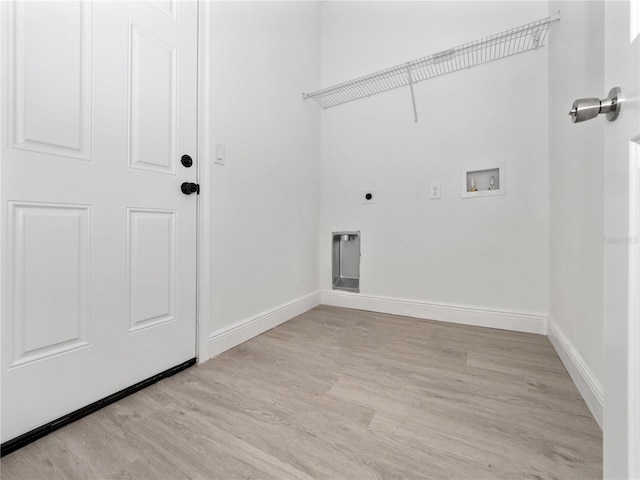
481, 317
233, 335
583, 377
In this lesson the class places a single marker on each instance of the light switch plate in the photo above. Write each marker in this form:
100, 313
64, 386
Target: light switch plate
220, 154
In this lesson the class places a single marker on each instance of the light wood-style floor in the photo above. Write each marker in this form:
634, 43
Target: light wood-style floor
342, 394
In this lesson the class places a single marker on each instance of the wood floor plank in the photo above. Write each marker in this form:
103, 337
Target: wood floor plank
341, 394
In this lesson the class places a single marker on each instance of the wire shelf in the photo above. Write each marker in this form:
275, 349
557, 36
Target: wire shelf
511, 42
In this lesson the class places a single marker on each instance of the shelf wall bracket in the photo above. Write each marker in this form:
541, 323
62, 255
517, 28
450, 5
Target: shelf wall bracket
413, 95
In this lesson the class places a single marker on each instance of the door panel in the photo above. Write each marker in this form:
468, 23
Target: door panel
153, 104
53, 116
151, 268
98, 242
622, 69
49, 274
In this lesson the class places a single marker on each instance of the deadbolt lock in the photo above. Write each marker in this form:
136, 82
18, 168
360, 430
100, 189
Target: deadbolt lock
186, 161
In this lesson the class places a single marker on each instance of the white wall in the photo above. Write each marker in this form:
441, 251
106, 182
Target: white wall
266, 198
485, 252
576, 151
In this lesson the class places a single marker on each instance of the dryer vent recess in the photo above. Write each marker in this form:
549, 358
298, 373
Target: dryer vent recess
345, 257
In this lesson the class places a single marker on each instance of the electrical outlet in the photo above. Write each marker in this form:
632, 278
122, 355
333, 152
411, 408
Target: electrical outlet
368, 197
434, 191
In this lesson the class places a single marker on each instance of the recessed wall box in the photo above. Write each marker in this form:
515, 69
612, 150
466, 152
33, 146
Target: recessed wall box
483, 180
345, 257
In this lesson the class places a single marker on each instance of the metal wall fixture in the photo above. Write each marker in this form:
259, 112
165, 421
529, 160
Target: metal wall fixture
588, 108
345, 260
511, 42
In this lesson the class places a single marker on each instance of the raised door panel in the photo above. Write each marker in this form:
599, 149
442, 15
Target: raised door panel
49, 280
152, 107
152, 270
50, 77
168, 7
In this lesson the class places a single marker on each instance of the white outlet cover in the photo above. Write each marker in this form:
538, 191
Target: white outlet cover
434, 191
364, 196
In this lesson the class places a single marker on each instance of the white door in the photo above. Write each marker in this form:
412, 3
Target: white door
98, 241
622, 69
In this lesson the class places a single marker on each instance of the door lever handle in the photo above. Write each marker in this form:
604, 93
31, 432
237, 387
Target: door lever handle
188, 188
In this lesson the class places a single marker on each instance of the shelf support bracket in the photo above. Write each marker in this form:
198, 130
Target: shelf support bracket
413, 96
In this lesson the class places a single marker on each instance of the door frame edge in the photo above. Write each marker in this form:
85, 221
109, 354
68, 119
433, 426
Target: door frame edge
633, 373
203, 265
